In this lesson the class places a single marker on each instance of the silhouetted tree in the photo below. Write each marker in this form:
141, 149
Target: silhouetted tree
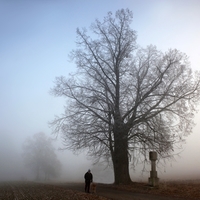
125, 100
39, 156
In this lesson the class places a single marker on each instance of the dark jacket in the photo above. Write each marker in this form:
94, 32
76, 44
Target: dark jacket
88, 177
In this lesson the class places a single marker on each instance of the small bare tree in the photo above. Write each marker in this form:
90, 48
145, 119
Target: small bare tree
123, 98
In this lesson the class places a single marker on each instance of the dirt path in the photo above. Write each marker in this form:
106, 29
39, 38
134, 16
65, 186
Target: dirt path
114, 194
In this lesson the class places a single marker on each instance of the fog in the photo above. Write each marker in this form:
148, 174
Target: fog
73, 166
36, 38
184, 167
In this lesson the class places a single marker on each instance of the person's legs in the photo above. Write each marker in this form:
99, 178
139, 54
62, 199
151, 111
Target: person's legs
87, 186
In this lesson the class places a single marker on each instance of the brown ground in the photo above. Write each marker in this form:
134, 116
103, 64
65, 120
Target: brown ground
66, 191
174, 189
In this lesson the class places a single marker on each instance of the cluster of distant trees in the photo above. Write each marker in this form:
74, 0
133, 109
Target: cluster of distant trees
40, 157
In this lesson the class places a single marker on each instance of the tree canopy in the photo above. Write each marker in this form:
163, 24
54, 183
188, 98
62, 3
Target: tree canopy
125, 100
39, 156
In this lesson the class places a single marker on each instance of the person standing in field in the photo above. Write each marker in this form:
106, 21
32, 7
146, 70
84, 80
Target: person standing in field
88, 179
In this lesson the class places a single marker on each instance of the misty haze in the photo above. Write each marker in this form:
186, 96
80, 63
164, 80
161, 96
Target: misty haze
98, 86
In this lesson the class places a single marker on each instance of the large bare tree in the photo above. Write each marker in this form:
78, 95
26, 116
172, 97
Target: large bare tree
125, 100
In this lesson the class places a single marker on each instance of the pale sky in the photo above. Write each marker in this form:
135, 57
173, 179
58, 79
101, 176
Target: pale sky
36, 38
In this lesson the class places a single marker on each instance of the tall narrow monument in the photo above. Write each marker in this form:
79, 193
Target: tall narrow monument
153, 180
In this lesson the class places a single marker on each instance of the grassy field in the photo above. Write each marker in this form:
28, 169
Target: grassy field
39, 191
189, 190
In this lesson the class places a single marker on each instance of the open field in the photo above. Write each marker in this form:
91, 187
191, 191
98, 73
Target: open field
68, 191
38, 191
189, 189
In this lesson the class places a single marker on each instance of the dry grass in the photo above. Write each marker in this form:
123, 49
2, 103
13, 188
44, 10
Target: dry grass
182, 189
189, 190
36, 191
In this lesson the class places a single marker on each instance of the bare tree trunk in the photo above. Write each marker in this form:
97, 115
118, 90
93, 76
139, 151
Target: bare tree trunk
121, 161
37, 173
